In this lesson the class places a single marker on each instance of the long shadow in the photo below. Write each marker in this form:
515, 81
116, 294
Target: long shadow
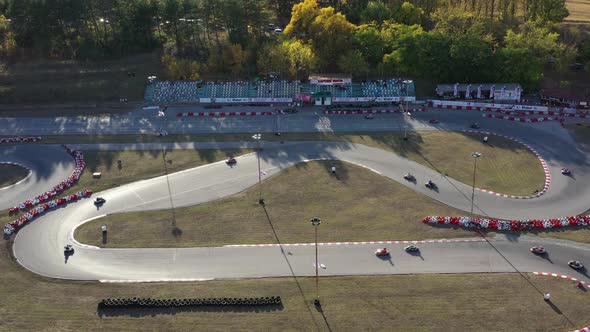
290, 268
151, 312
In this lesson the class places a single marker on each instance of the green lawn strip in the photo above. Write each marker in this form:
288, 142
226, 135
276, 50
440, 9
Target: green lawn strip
393, 303
506, 166
11, 174
360, 206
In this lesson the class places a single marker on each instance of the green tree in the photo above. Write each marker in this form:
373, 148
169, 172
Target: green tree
302, 59
367, 39
408, 14
331, 36
547, 10
273, 58
518, 65
302, 18
180, 69
375, 11
535, 37
353, 62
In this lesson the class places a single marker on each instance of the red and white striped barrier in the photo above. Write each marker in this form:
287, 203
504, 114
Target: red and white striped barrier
541, 160
584, 329
221, 114
351, 243
367, 111
10, 227
508, 225
19, 139
65, 184
562, 276
516, 119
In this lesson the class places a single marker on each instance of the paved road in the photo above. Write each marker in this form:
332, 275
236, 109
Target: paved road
38, 246
50, 165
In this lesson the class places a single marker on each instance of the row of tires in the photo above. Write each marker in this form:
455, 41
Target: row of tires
148, 302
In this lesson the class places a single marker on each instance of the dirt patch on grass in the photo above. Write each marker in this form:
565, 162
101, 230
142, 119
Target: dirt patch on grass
11, 174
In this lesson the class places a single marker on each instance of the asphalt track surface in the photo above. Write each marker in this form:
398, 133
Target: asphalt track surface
39, 246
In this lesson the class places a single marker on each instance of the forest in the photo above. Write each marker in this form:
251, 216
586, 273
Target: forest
441, 40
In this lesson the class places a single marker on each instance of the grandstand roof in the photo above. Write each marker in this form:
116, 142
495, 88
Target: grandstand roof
329, 76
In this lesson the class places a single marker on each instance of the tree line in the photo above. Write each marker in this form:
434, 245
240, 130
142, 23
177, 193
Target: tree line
444, 40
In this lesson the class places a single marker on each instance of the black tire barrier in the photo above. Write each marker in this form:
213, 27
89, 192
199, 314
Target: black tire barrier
149, 302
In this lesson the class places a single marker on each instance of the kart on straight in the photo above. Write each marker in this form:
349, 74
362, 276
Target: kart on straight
382, 252
539, 250
411, 248
409, 177
99, 201
431, 185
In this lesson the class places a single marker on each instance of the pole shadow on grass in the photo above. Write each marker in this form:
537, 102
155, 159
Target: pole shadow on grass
291, 269
103, 312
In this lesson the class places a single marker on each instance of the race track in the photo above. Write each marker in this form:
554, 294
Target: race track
39, 246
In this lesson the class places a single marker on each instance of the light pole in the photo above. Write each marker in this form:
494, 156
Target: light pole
316, 222
257, 137
475, 156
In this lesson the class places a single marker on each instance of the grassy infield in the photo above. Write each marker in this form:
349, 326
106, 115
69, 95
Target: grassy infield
11, 174
408, 303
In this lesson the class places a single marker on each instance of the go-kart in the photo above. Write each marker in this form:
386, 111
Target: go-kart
369, 116
566, 171
431, 185
474, 125
382, 252
68, 249
409, 177
575, 265
539, 250
433, 121
411, 248
99, 201
231, 161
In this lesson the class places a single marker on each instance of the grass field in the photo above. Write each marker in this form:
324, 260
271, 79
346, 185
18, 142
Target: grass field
475, 302
360, 206
11, 174
579, 10
76, 82
447, 152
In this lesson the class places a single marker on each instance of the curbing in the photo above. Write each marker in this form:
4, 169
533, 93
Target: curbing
221, 114
543, 164
353, 243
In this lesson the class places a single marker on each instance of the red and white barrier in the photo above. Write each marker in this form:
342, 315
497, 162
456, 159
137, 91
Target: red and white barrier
10, 227
65, 184
516, 119
368, 111
541, 160
562, 276
19, 139
508, 225
221, 114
